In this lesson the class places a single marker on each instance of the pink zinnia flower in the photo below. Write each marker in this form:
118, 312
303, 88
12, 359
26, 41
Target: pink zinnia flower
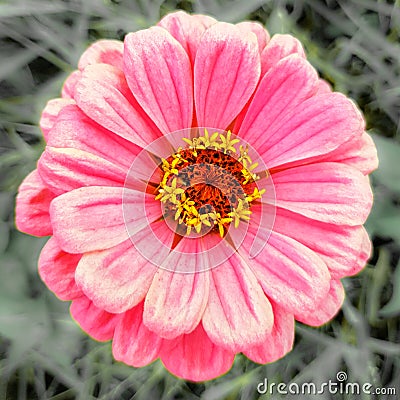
203, 189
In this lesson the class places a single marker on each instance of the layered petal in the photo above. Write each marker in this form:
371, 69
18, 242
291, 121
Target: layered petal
75, 130
133, 343
233, 287
291, 275
324, 87
195, 357
50, 114
103, 51
67, 169
158, 72
314, 127
176, 300
289, 83
328, 308
32, 206
68, 89
279, 342
94, 321
226, 72
92, 218
57, 270
118, 278
344, 249
187, 29
279, 47
103, 94
255, 27
329, 192
360, 153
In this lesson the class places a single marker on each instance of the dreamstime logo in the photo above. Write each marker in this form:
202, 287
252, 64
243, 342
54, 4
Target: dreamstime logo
339, 386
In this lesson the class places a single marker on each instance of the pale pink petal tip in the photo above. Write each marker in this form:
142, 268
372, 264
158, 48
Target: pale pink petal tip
328, 308
187, 29
279, 342
133, 343
324, 87
279, 47
50, 114
360, 152
195, 357
68, 89
175, 302
32, 206
57, 270
115, 279
234, 287
103, 52
96, 322
255, 27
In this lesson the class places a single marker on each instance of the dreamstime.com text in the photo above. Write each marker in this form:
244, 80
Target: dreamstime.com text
339, 386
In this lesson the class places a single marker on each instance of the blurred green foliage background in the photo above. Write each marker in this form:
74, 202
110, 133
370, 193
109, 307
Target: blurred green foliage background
354, 44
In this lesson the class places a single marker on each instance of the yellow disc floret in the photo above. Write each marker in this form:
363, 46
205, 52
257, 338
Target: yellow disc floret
208, 185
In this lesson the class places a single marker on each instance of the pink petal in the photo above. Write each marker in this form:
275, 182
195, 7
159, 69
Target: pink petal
314, 127
91, 218
279, 47
159, 74
195, 357
75, 130
292, 275
176, 300
103, 52
288, 84
32, 206
360, 153
255, 27
68, 89
324, 87
57, 270
329, 192
328, 308
279, 342
344, 249
95, 322
133, 343
66, 169
187, 29
115, 279
226, 72
238, 314
103, 94
50, 114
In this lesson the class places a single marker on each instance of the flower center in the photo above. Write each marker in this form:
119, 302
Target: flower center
208, 185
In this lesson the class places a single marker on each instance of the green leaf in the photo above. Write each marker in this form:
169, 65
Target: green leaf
279, 22
388, 173
29, 8
392, 308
